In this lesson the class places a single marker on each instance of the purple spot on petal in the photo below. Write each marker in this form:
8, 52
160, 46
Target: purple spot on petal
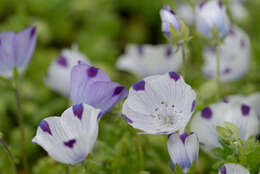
245, 109
78, 110
92, 71
231, 31
206, 113
201, 5
220, 3
243, 43
183, 137
169, 51
169, 135
100, 115
223, 170
225, 100
139, 86
193, 105
70, 143
118, 90
32, 33
44, 125
128, 120
174, 76
227, 71
62, 61
211, 49
140, 50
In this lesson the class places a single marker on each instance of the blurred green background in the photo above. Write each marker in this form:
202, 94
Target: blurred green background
102, 28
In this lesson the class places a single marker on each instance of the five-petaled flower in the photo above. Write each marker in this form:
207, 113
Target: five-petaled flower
183, 150
92, 86
71, 137
210, 14
160, 104
234, 55
231, 168
241, 115
58, 77
16, 50
143, 60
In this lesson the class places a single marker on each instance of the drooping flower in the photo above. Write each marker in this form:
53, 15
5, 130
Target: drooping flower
238, 11
210, 14
241, 115
231, 168
160, 104
183, 150
58, 77
252, 100
169, 18
16, 50
71, 137
146, 60
234, 56
92, 86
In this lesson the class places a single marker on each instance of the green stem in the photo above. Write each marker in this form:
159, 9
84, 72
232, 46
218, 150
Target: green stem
10, 156
21, 127
68, 169
218, 73
140, 152
183, 69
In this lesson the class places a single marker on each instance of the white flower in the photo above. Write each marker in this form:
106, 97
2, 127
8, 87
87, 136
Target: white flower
204, 123
238, 11
183, 150
252, 100
58, 77
231, 168
186, 12
210, 14
71, 137
160, 104
234, 56
149, 60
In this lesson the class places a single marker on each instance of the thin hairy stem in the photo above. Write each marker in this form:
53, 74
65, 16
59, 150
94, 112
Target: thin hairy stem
10, 156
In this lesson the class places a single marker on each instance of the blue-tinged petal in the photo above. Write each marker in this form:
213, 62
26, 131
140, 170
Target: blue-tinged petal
192, 147
71, 137
7, 54
25, 42
232, 168
178, 153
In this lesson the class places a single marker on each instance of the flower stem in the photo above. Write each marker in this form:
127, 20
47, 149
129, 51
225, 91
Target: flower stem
140, 152
21, 127
10, 156
183, 68
68, 169
218, 74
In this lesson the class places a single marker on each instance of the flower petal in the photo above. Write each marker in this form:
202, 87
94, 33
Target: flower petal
71, 137
192, 147
231, 168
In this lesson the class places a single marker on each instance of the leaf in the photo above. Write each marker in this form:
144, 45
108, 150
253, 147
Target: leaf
178, 169
5, 80
219, 152
218, 164
234, 130
192, 169
224, 133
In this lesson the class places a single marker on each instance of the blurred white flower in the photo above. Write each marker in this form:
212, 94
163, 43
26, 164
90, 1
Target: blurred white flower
252, 100
71, 137
186, 12
183, 150
58, 77
234, 55
231, 168
146, 60
238, 11
204, 123
210, 14
169, 18
160, 104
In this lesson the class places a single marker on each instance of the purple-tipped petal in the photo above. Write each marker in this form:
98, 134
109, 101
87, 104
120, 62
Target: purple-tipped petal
206, 113
139, 86
78, 110
45, 127
62, 61
245, 109
175, 76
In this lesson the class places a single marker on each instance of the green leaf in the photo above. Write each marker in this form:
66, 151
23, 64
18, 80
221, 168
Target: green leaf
219, 152
192, 169
224, 133
218, 164
178, 169
234, 130
5, 80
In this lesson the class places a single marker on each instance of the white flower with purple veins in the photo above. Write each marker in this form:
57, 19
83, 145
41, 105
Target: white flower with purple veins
183, 150
232, 168
71, 137
58, 77
16, 50
160, 104
210, 14
234, 56
169, 18
252, 100
92, 86
241, 115
146, 60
